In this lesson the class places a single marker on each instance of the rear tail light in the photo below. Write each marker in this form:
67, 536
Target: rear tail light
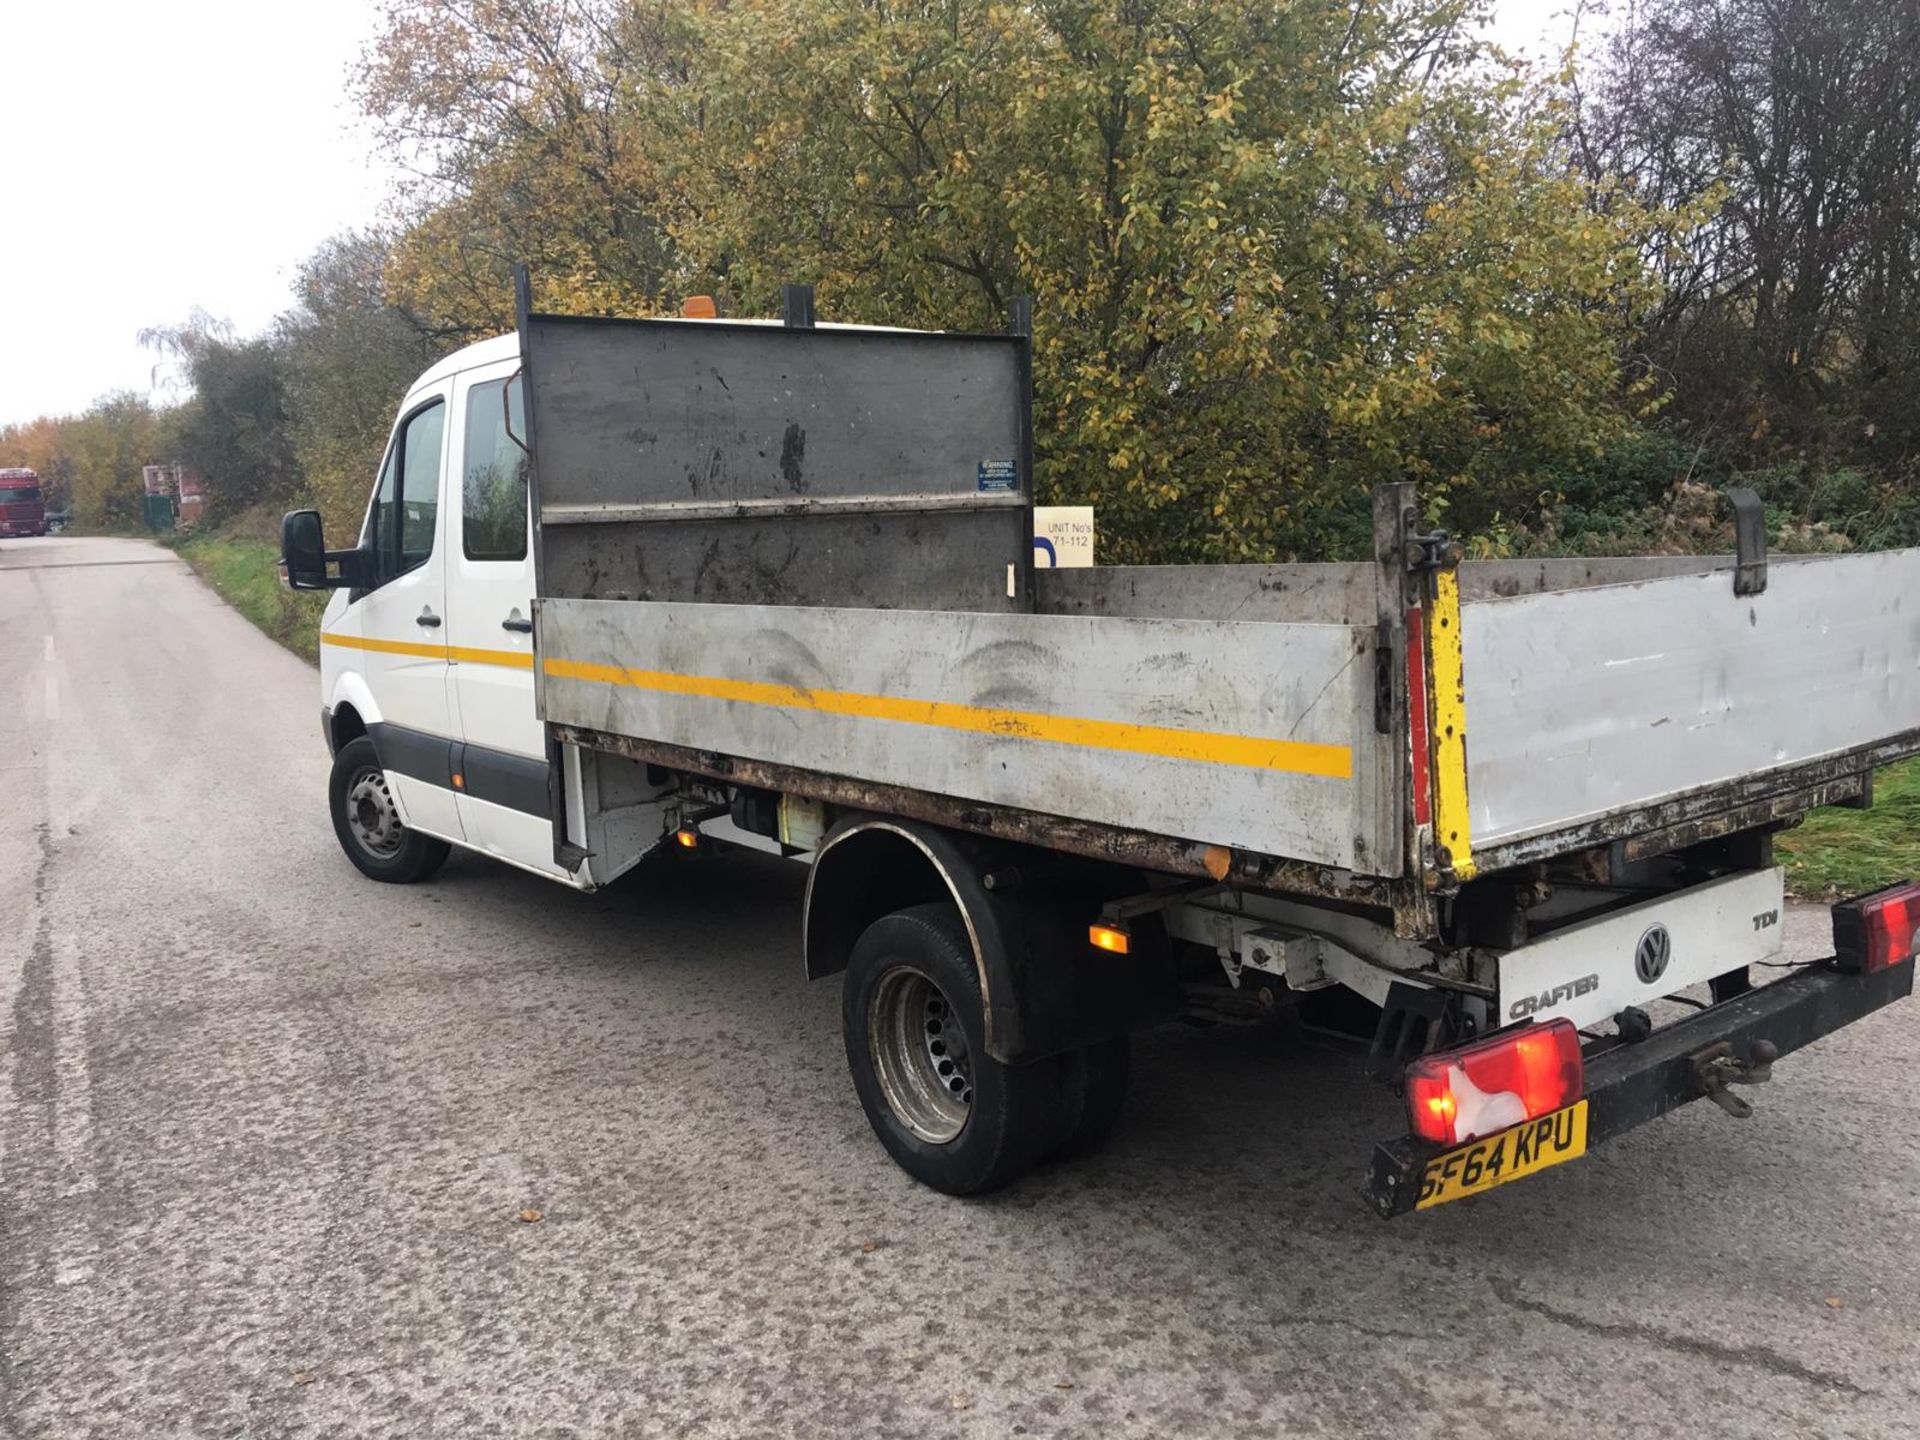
1458, 1095
1877, 931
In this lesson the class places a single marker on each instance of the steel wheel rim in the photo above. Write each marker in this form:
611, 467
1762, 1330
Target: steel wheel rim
372, 818
920, 1055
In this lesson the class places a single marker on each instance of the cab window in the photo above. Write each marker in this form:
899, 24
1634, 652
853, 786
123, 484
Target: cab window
493, 488
400, 524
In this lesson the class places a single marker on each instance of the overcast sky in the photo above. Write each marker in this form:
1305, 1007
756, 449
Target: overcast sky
160, 157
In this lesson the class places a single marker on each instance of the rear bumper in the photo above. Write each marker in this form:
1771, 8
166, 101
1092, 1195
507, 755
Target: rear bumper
1628, 1085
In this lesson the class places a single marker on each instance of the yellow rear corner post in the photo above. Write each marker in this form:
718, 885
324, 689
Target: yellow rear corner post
1452, 834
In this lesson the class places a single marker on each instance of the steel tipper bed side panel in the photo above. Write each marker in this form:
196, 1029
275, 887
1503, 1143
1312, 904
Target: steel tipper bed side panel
1255, 737
1589, 703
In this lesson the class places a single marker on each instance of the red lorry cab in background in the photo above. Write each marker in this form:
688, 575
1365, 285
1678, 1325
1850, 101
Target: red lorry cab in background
23, 509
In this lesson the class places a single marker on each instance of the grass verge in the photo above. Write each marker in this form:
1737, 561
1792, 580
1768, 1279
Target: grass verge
1846, 852
244, 572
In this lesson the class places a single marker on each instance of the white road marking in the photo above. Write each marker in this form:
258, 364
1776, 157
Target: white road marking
49, 649
56, 769
53, 696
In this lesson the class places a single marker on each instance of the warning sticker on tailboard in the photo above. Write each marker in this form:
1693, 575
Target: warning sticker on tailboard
997, 475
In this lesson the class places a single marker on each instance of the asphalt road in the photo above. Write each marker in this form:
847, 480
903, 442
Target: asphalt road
265, 1129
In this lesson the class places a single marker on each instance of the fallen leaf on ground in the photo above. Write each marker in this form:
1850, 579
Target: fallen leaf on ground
869, 1247
1834, 1302
1064, 1385
959, 1401
303, 1377
531, 1217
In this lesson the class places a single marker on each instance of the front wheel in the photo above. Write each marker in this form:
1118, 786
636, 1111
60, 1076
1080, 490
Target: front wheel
951, 1115
368, 825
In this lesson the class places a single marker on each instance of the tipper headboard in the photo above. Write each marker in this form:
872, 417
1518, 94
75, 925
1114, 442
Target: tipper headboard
769, 464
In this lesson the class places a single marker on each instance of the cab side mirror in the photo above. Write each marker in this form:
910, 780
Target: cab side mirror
304, 557
303, 551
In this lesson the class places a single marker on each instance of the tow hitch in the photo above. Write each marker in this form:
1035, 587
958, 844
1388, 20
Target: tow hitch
1717, 1067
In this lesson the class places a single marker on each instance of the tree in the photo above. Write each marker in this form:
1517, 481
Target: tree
107, 448
348, 354
92, 462
1279, 253
1791, 329
515, 117
234, 430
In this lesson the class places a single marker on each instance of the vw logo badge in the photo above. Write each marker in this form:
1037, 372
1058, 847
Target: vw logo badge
1651, 955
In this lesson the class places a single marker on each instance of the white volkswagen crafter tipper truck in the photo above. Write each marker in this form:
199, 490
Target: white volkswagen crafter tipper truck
623, 584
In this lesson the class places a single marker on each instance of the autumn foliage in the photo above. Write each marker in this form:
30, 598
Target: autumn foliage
1280, 251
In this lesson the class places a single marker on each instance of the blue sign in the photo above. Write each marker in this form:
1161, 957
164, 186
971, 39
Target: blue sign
998, 475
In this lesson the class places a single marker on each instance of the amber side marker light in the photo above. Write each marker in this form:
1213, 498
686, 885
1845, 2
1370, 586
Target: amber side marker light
689, 838
1110, 938
699, 307
1459, 1095
1877, 931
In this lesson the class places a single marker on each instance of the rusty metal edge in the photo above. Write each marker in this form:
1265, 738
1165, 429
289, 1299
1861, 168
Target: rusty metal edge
1724, 798
1790, 806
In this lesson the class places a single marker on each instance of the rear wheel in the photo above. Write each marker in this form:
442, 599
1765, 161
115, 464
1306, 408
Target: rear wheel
951, 1115
367, 822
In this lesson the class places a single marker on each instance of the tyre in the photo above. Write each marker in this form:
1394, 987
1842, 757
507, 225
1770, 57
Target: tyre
368, 824
1093, 1088
951, 1115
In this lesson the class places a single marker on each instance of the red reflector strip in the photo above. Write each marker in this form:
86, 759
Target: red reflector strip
1417, 714
1458, 1095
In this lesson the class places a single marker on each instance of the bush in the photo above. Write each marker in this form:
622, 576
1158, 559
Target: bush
1657, 491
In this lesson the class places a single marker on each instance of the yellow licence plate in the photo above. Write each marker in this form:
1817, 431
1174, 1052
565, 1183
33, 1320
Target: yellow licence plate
1493, 1160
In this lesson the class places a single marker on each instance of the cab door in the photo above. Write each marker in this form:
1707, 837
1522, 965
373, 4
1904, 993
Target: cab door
503, 752
400, 622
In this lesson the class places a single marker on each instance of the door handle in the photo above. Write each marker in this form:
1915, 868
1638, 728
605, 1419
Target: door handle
428, 618
514, 623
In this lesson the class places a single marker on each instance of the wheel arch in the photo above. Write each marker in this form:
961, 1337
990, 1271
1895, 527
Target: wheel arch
351, 710
344, 726
870, 866
1042, 989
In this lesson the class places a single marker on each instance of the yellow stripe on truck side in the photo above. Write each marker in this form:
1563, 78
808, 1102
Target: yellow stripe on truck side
1334, 762
1451, 830
465, 655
